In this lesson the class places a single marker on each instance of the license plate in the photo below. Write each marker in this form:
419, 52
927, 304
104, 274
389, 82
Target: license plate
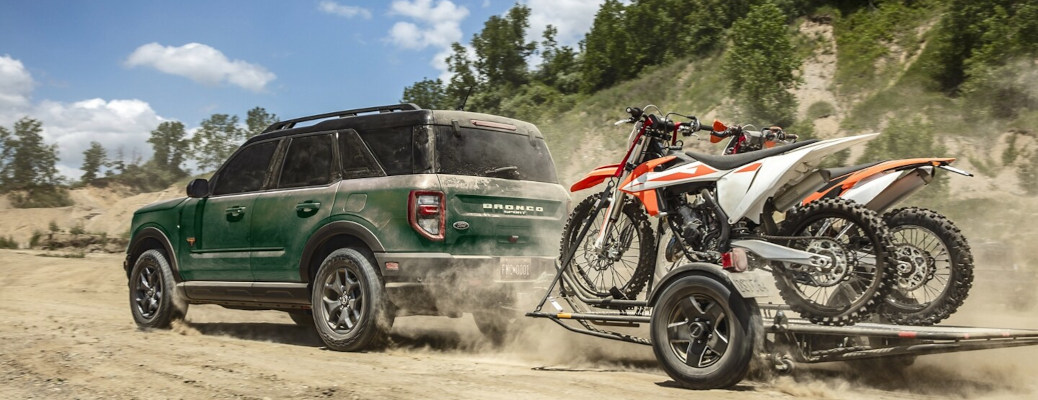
515, 268
753, 283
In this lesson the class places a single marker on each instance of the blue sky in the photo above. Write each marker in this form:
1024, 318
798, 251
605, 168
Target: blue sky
111, 71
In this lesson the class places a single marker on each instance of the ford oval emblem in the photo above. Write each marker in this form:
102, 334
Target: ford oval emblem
461, 225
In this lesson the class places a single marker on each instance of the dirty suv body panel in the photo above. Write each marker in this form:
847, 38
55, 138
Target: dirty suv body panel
455, 211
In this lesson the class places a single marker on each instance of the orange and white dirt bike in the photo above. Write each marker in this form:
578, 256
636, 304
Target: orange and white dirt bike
833, 261
934, 270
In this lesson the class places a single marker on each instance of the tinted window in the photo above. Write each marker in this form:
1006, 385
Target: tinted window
494, 154
393, 147
357, 159
308, 162
247, 170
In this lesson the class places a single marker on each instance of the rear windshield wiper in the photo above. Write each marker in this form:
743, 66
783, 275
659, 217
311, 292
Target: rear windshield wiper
511, 170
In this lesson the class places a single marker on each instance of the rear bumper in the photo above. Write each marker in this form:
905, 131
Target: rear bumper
443, 268
439, 283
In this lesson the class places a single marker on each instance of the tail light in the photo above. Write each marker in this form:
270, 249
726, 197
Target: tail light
735, 260
427, 213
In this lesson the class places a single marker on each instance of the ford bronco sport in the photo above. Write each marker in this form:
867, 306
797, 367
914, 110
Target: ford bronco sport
355, 218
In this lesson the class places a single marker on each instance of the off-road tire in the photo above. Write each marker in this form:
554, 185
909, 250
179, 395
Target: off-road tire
590, 272
877, 239
898, 307
154, 301
348, 283
720, 313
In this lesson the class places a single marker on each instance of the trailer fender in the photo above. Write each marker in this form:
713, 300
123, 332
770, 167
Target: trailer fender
696, 268
750, 284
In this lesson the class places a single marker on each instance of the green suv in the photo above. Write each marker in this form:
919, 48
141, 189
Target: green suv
346, 220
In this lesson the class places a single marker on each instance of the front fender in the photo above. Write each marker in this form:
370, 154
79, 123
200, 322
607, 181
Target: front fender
595, 177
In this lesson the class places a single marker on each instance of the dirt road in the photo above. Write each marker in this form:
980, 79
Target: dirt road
66, 332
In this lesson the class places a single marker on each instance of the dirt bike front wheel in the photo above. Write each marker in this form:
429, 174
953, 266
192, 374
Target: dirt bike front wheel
934, 271
623, 265
858, 277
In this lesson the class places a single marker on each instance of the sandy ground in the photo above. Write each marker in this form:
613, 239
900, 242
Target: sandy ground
66, 332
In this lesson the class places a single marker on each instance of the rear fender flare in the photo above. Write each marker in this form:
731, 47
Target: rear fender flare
333, 229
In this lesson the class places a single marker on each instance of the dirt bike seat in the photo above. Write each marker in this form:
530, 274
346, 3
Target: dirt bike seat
841, 171
724, 162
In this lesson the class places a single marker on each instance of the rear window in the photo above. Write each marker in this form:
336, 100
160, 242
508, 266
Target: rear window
494, 154
393, 147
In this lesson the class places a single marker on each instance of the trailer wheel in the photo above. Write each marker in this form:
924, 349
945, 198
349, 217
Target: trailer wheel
702, 332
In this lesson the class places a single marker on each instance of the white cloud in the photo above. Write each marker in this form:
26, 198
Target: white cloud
430, 24
118, 125
202, 64
331, 7
573, 18
15, 83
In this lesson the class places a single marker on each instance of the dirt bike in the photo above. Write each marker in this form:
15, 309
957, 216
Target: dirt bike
934, 269
720, 209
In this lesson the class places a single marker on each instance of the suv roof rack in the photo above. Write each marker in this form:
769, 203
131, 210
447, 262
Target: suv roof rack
289, 124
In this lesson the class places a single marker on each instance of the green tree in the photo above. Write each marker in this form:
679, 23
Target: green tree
30, 162
560, 68
93, 159
258, 119
216, 140
427, 93
605, 48
171, 146
761, 64
29, 167
501, 48
463, 78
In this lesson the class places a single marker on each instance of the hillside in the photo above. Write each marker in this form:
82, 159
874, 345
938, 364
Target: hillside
836, 97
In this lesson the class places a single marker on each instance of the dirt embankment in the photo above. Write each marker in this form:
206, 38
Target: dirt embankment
67, 334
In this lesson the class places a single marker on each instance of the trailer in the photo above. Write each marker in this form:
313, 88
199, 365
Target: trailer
706, 327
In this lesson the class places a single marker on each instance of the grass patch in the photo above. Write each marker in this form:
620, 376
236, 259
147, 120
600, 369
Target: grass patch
7, 242
74, 254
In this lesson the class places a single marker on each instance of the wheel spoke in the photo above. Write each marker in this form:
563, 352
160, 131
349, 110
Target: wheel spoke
691, 309
344, 318
679, 332
696, 352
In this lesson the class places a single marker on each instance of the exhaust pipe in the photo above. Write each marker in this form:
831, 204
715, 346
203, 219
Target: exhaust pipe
802, 189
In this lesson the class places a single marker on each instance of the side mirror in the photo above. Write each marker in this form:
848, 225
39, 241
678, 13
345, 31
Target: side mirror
198, 188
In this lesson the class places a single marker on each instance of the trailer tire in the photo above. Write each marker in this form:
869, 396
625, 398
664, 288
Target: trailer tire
703, 332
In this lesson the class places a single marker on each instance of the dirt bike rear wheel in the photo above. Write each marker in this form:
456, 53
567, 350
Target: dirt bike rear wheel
935, 270
857, 242
627, 259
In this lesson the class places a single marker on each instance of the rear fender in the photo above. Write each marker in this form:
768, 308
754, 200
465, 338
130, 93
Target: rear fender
868, 185
893, 165
595, 177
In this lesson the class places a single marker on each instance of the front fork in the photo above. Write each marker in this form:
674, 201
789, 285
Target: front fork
614, 197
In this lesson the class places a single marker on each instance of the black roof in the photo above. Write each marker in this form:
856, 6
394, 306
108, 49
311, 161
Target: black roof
384, 117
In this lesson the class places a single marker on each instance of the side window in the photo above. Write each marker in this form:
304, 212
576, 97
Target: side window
357, 159
247, 170
393, 147
308, 162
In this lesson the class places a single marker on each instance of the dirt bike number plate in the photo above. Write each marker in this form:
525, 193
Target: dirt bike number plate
753, 283
515, 268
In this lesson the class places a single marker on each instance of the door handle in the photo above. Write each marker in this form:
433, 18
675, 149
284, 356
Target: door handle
235, 211
307, 207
